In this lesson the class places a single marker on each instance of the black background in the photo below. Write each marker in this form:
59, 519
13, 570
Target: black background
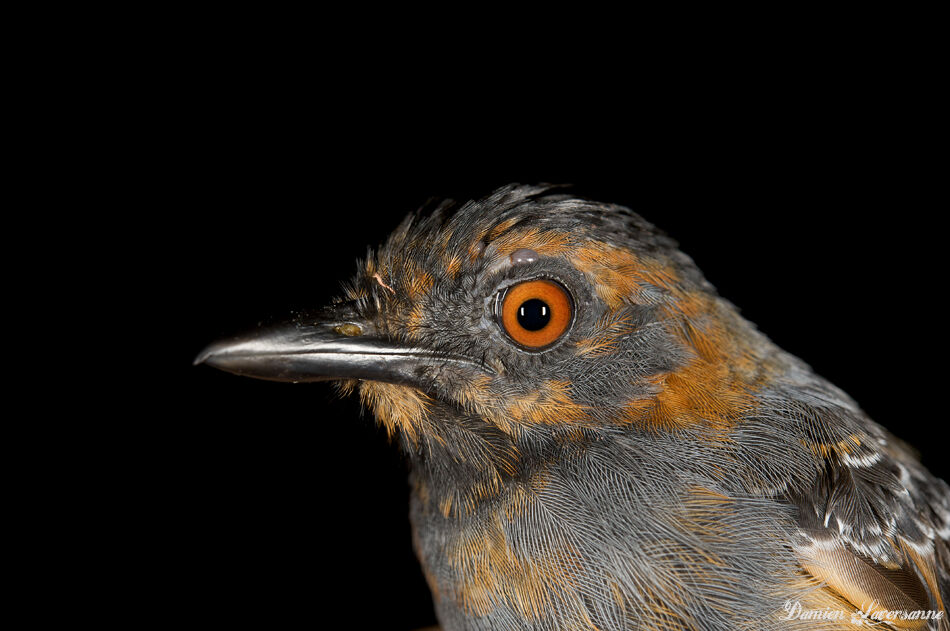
813, 213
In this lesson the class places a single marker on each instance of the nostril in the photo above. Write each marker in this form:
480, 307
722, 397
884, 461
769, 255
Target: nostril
349, 329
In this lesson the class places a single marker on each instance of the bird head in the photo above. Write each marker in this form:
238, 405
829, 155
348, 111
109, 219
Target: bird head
526, 319
536, 354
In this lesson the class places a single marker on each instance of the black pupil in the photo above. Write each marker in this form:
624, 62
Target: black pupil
534, 314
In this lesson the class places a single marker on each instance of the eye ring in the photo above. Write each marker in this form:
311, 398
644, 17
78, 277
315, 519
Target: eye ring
536, 313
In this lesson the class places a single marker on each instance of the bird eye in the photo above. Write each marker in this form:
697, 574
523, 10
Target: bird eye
536, 313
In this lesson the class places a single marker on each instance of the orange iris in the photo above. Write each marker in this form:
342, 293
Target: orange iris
536, 313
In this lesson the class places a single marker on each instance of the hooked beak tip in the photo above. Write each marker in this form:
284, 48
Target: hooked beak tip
202, 356
207, 353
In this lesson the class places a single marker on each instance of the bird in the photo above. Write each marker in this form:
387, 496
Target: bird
598, 440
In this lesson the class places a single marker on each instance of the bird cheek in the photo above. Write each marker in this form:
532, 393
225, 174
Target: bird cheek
398, 407
475, 393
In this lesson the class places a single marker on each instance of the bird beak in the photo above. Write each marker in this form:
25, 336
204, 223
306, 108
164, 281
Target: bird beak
334, 345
